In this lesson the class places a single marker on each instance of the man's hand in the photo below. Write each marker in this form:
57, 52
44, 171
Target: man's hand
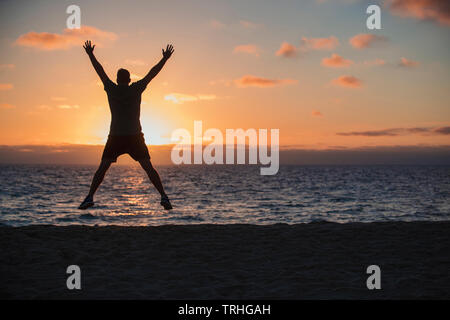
168, 52
89, 47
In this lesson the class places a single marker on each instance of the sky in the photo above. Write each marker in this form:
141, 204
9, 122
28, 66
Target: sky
309, 68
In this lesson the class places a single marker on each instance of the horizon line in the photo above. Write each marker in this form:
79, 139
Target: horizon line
282, 147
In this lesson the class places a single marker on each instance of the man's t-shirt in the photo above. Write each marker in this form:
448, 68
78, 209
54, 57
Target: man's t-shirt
125, 106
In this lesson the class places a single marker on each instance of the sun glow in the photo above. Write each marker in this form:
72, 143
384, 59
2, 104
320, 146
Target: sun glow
156, 128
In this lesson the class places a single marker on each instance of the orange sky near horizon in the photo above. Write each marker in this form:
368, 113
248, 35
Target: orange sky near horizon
311, 70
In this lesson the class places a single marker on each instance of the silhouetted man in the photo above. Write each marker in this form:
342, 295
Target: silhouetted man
125, 134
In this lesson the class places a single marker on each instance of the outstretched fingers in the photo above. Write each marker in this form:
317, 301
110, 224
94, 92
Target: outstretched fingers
168, 52
88, 46
169, 49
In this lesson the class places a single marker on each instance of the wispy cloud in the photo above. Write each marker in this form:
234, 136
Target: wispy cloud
435, 10
7, 66
5, 106
287, 50
394, 132
316, 113
179, 98
68, 106
216, 24
442, 130
366, 40
253, 81
406, 63
319, 43
336, 61
69, 38
248, 48
348, 82
6, 86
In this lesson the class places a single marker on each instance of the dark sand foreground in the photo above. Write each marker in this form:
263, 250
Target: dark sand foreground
309, 261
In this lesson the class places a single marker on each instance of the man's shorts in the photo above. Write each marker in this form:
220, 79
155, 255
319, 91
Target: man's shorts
134, 145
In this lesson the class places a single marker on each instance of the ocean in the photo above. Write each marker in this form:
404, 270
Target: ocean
50, 194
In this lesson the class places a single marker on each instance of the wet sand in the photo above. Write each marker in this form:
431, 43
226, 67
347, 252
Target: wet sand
303, 261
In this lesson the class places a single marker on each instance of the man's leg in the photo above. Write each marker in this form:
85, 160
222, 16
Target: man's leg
153, 175
156, 180
98, 176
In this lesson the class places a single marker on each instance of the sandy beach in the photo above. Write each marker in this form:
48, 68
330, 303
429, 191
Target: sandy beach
304, 261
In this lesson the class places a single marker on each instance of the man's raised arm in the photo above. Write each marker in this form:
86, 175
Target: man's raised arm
157, 68
97, 66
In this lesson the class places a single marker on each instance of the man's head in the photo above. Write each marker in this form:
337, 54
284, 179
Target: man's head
123, 77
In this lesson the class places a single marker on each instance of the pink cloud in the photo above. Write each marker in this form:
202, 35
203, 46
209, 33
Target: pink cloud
365, 40
216, 24
316, 113
348, 82
436, 10
408, 63
69, 38
287, 50
336, 61
248, 48
253, 81
320, 43
6, 86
